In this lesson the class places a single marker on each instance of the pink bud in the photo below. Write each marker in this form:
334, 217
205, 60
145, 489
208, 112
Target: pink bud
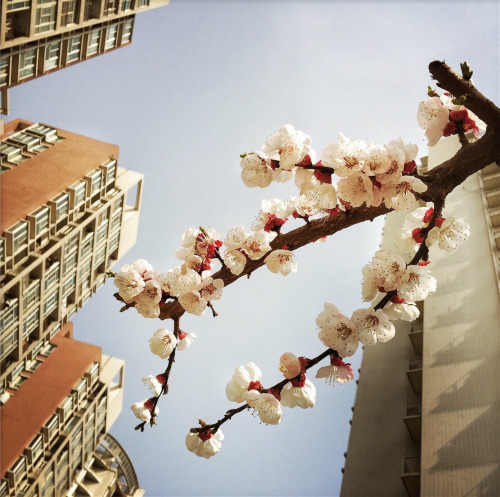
290, 365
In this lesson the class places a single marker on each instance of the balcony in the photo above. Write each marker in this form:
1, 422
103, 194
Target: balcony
413, 421
416, 337
411, 476
414, 374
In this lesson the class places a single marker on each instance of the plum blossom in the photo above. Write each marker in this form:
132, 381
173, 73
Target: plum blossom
185, 340
256, 170
204, 444
273, 214
211, 289
235, 261
188, 280
388, 268
343, 156
188, 243
267, 405
162, 343
235, 237
405, 311
288, 145
193, 302
433, 117
129, 283
154, 383
375, 160
401, 196
450, 234
373, 326
144, 410
281, 261
290, 365
416, 284
337, 331
238, 386
338, 371
293, 395
257, 244
356, 189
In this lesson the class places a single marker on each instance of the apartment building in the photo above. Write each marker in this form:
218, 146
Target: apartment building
425, 418
68, 212
43, 36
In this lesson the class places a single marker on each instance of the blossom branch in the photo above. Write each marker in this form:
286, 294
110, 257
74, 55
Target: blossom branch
309, 363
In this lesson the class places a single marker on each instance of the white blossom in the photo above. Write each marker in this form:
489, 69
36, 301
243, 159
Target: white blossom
287, 145
356, 189
203, 444
257, 244
153, 384
129, 283
162, 343
304, 396
235, 261
267, 405
373, 326
256, 170
240, 381
433, 117
281, 261
338, 371
193, 302
142, 410
405, 311
339, 333
211, 289
401, 196
416, 284
235, 237
450, 234
343, 156
185, 340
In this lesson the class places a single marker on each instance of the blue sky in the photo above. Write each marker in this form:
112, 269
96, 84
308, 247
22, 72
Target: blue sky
201, 83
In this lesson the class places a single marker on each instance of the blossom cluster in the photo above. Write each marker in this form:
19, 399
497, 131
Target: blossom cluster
368, 173
190, 283
445, 116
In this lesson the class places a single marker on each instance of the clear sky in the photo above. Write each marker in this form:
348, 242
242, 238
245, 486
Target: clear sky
201, 83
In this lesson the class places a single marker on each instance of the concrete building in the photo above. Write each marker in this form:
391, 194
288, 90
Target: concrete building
426, 416
37, 38
68, 212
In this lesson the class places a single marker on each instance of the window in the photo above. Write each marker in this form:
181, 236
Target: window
69, 285
27, 61
36, 448
2, 250
31, 323
81, 389
51, 55
95, 182
74, 48
41, 220
50, 303
45, 19
52, 427
110, 37
69, 12
110, 168
79, 190
49, 134
102, 232
100, 256
67, 408
52, 275
8, 342
93, 373
87, 244
126, 4
12, 153
93, 42
142, 3
31, 294
114, 242
4, 71
110, 7
69, 262
20, 235
26, 141
62, 205
9, 313
71, 245
127, 31
19, 470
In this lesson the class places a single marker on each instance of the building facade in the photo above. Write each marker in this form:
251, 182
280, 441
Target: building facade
425, 419
68, 213
43, 36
